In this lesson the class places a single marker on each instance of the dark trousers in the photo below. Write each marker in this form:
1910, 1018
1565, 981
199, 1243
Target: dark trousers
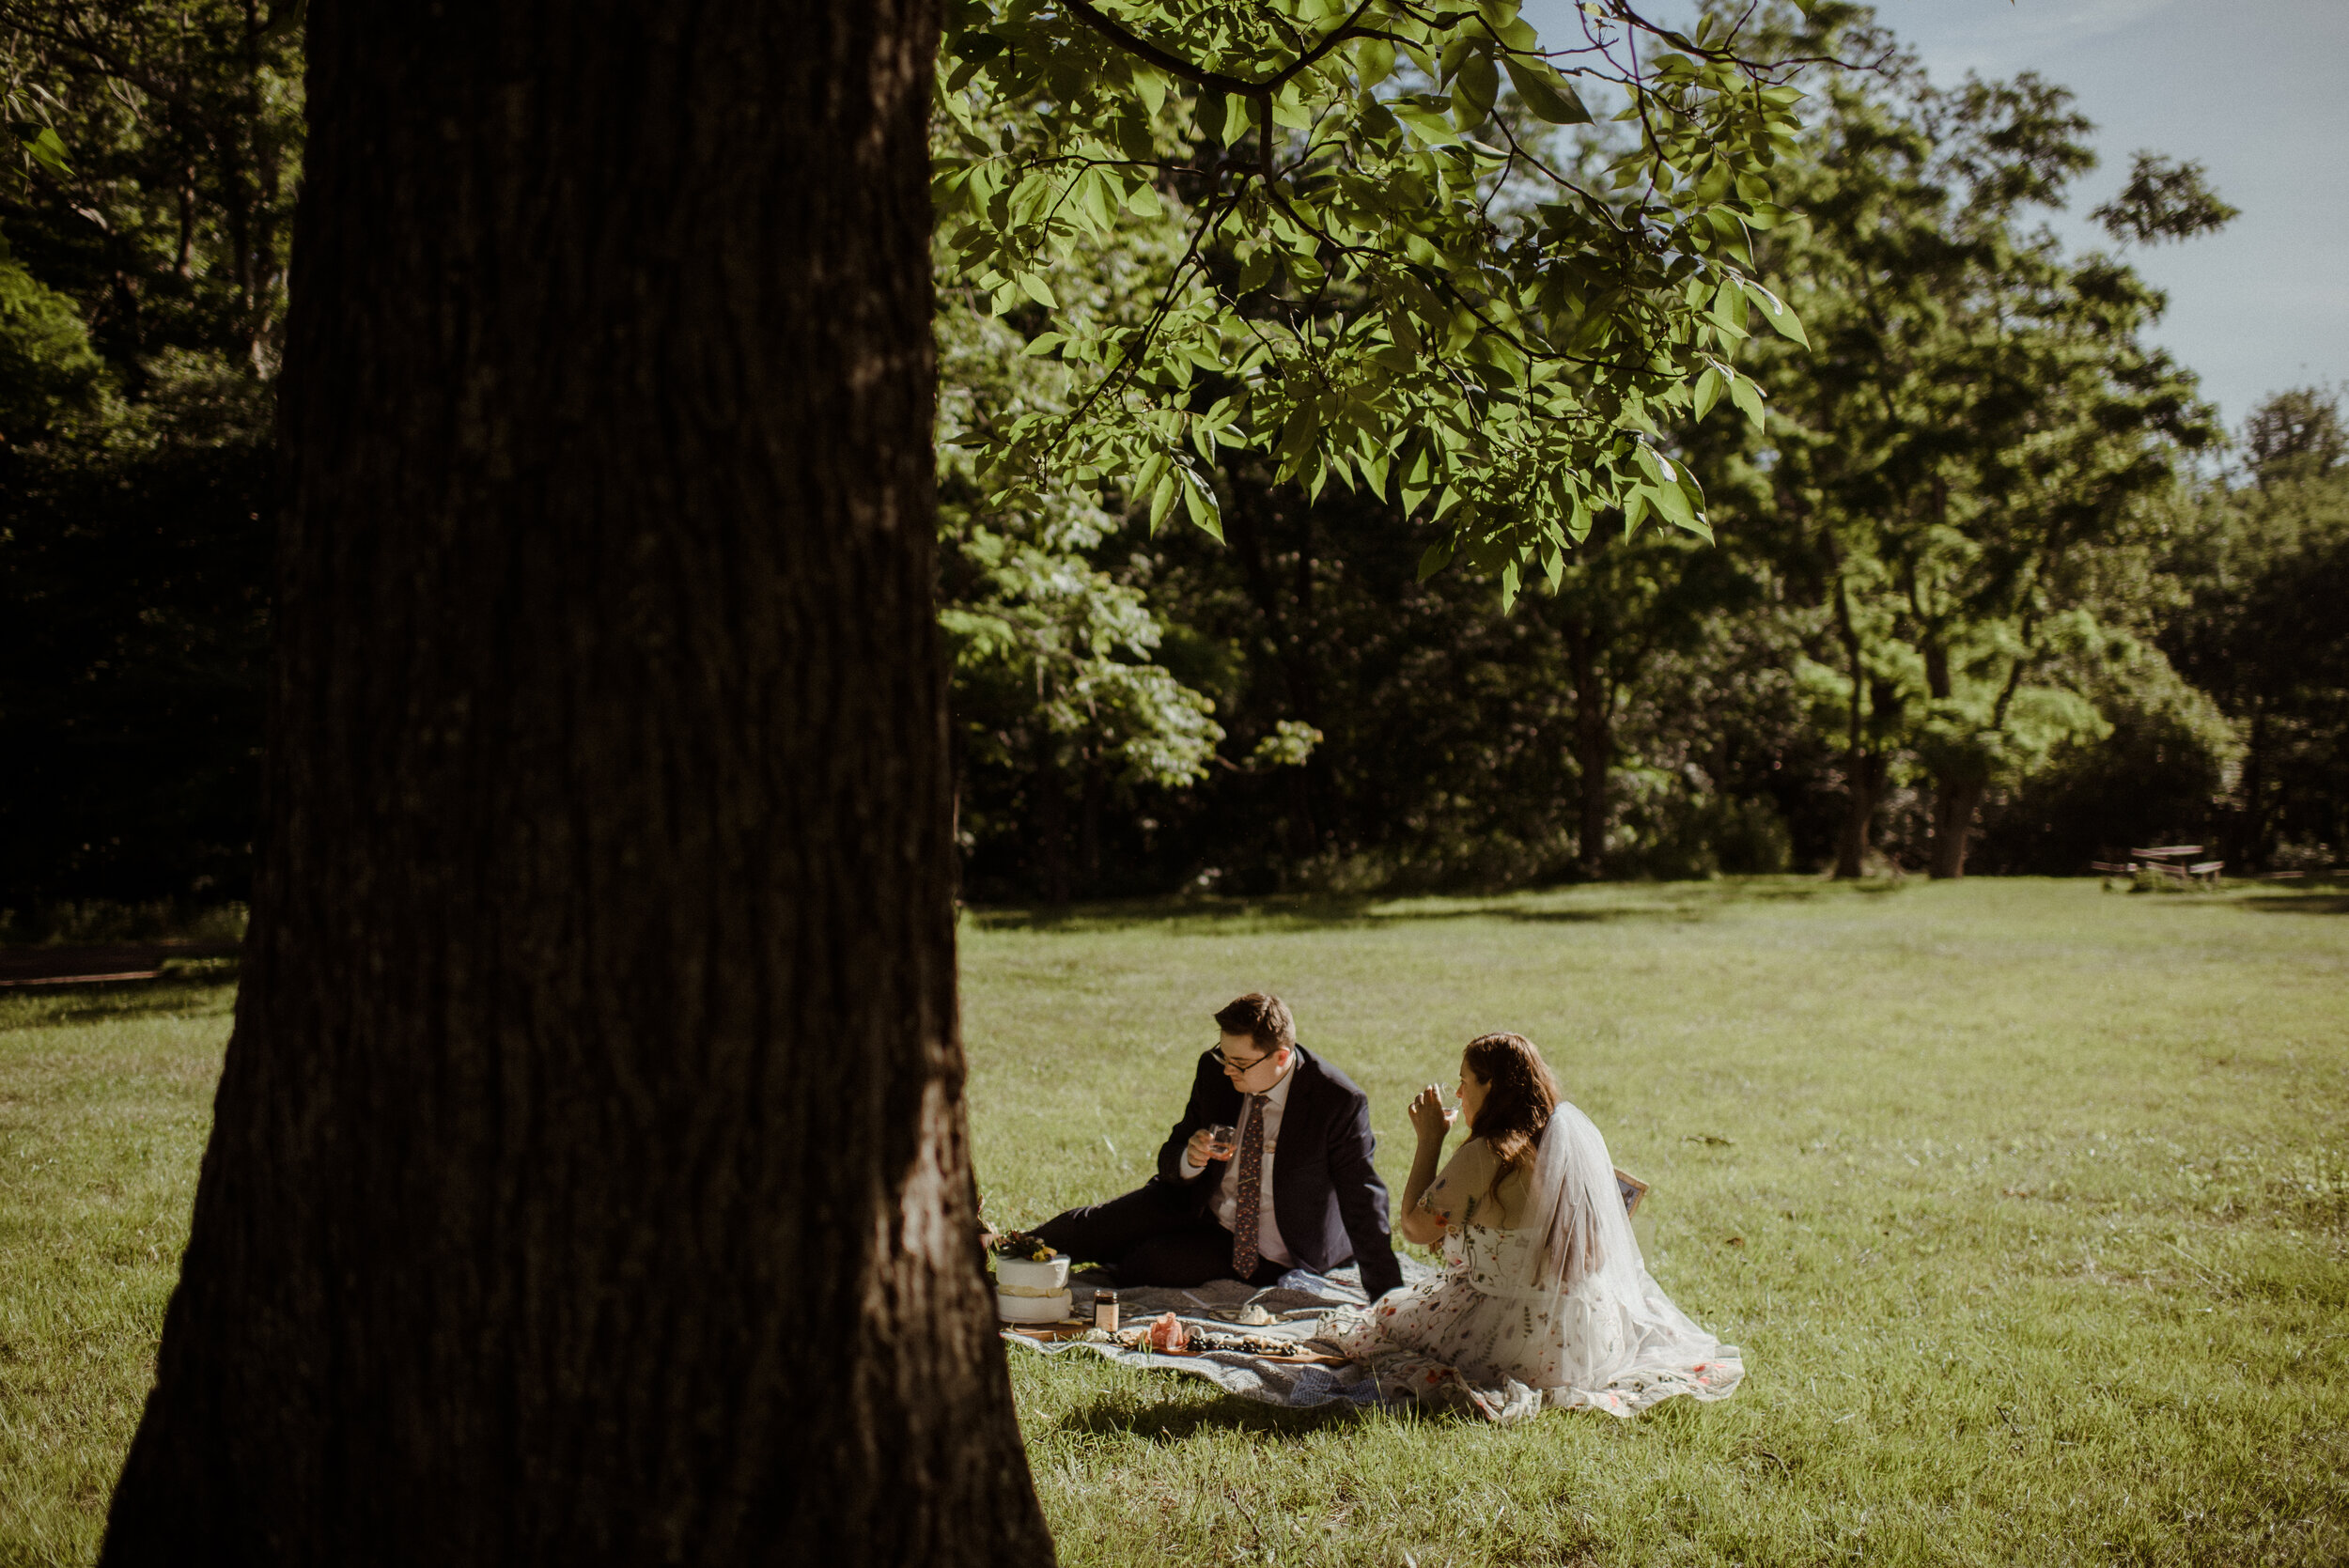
1153, 1235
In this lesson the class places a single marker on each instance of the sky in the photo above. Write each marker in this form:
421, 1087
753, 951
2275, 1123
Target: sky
2257, 91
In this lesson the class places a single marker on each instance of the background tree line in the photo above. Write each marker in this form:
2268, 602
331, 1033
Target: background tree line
1988, 590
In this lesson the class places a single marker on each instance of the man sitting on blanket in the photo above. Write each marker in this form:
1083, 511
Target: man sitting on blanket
1293, 1189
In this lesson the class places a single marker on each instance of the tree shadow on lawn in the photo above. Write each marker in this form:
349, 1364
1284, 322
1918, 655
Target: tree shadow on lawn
1192, 915
68, 1006
1174, 1421
2295, 903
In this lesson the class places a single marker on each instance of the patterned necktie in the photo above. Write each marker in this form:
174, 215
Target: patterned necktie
1250, 1178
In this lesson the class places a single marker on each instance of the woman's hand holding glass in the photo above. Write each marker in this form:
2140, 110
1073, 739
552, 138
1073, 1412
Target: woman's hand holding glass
1430, 1117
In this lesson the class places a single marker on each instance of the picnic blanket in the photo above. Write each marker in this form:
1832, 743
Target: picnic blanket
1296, 1302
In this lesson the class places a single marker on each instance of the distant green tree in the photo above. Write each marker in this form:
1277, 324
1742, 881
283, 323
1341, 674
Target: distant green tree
1053, 676
2295, 435
2164, 200
1056, 695
164, 203
2262, 573
47, 369
146, 226
1981, 422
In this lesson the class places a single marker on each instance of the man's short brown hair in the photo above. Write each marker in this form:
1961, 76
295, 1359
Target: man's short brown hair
1263, 1017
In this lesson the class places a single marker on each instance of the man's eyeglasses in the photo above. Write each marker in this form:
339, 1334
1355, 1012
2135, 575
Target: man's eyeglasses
1232, 1067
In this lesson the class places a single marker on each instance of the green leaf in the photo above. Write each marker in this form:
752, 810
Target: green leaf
1210, 114
1042, 344
1152, 470
1297, 435
1093, 194
1546, 92
1435, 558
48, 151
1374, 61
1708, 390
1150, 86
1748, 397
1163, 499
1781, 316
1038, 290
1431, 127
1142, 202
1207, 514
1478, 86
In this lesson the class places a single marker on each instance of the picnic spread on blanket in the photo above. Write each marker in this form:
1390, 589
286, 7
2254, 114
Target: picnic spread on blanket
1287, 1344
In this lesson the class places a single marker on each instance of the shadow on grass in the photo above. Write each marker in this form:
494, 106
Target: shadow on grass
2297, 903
66, 1006
1175, 1421
1593, 904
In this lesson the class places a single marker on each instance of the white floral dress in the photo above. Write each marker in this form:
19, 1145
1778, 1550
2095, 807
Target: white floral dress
1473, 1338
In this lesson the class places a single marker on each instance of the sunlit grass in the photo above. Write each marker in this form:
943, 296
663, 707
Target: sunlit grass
2028, 1206
105, 1096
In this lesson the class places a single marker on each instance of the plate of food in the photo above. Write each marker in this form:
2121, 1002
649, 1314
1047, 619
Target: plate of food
1170, 1335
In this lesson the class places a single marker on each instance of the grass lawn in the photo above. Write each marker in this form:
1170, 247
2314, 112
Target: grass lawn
2029, 1207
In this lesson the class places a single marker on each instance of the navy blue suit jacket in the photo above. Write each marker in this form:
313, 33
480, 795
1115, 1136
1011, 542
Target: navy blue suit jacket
1327, 1197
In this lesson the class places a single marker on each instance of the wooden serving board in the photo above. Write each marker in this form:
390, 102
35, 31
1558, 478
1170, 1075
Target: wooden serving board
1073, 1328
1056, 1332
1302, 1359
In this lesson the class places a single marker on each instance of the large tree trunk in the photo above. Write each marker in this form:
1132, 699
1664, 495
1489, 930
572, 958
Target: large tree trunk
1864, 769
2250, 850
1288, 630
588, 1181
1953, 804
1594, 745
1863, 776
1050, 816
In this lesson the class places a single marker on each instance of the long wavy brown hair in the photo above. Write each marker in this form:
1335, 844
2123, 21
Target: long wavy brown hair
1519, 1094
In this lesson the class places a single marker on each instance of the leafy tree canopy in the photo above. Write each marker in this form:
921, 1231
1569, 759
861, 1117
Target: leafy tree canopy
1384, 281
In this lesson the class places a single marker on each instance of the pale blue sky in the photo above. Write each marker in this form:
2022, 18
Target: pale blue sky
2256, 90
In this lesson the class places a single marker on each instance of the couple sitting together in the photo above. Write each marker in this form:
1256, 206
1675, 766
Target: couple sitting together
1543, 1296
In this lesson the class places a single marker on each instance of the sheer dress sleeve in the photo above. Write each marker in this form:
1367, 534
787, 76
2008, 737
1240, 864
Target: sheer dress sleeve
1461, 1189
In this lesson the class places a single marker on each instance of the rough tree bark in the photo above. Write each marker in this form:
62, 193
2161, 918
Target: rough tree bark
1863, 783
1593, 745
1288, 633
1864, 769
1954, 799
1050, 785
1955, 793
588, 1182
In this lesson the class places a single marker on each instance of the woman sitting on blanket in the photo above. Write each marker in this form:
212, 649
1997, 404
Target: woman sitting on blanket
1544, 1300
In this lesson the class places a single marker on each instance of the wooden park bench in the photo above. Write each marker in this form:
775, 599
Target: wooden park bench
2166, 862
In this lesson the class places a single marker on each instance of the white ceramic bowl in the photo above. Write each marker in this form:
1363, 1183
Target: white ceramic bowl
1033, 1309
1051, 1274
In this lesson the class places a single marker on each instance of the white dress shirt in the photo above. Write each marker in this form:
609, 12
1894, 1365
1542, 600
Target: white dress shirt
1226, 1202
